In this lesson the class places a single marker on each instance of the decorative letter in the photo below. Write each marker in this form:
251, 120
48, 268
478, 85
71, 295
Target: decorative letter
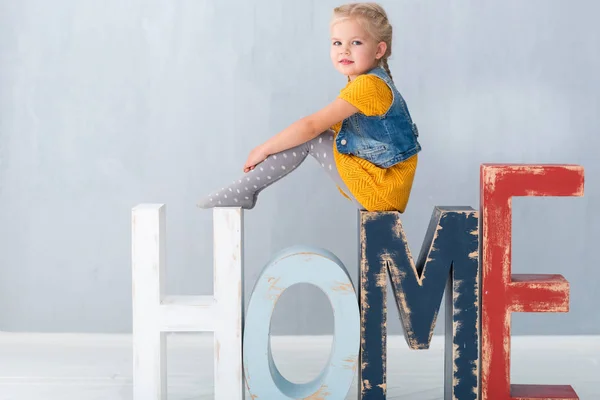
325, 271
154, 313
449, 256
504, 293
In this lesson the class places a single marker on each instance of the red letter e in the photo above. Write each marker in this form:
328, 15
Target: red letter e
504, 293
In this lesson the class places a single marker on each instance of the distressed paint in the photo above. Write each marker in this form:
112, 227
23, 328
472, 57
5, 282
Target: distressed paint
461, 358
542, 392
228, 277
155, 313
503, 292
449, 256
148, 272
291, 266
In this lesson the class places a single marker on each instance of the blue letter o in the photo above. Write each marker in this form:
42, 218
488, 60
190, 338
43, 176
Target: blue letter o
324, 270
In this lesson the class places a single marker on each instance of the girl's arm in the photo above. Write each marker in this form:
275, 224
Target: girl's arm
302, 131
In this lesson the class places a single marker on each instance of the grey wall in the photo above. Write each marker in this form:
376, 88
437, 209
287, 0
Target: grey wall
104, 105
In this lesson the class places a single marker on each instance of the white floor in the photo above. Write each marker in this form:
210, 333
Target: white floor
94, 367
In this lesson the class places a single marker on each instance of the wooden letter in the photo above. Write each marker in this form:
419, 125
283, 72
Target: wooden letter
325, 271
503, 292
154, 313
449, 256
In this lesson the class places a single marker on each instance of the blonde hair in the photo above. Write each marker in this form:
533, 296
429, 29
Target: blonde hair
374, 20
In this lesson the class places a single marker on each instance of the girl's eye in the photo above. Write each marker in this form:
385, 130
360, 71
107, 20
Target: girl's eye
355, 42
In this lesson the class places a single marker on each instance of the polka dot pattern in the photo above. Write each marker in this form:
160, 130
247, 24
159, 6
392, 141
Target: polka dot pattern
275, 167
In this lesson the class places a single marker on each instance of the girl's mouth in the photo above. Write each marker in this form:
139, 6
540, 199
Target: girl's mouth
346, 62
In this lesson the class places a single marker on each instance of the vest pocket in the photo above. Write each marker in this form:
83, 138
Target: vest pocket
371, 151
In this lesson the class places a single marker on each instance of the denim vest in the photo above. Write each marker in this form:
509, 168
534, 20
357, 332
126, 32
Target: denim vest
384, 140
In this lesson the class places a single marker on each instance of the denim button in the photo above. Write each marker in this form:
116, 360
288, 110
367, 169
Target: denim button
343, 142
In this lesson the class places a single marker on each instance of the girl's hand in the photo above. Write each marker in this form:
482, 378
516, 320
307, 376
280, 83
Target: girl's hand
256, 156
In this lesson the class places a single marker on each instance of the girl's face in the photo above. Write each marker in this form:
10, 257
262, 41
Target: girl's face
353, 51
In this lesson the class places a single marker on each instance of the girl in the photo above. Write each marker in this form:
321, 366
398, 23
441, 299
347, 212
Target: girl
365, 139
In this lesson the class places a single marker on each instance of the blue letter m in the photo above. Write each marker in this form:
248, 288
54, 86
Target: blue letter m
448, 258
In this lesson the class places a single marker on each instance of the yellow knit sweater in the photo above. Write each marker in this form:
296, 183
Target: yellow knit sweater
377, 189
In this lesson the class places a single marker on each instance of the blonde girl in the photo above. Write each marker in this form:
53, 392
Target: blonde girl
365, 139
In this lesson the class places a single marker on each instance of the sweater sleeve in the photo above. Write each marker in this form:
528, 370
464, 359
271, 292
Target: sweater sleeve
369, 93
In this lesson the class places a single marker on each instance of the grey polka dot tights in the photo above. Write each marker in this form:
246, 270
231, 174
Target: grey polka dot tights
243, 192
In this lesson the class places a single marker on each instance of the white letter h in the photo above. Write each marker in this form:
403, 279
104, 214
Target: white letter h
155, 313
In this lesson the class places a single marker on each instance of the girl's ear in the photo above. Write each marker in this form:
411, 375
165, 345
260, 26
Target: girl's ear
381, 49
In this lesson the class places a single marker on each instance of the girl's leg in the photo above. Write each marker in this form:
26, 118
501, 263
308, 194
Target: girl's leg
321, 148
244, 191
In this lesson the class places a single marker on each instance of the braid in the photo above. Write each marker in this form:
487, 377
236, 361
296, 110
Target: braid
386, 67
